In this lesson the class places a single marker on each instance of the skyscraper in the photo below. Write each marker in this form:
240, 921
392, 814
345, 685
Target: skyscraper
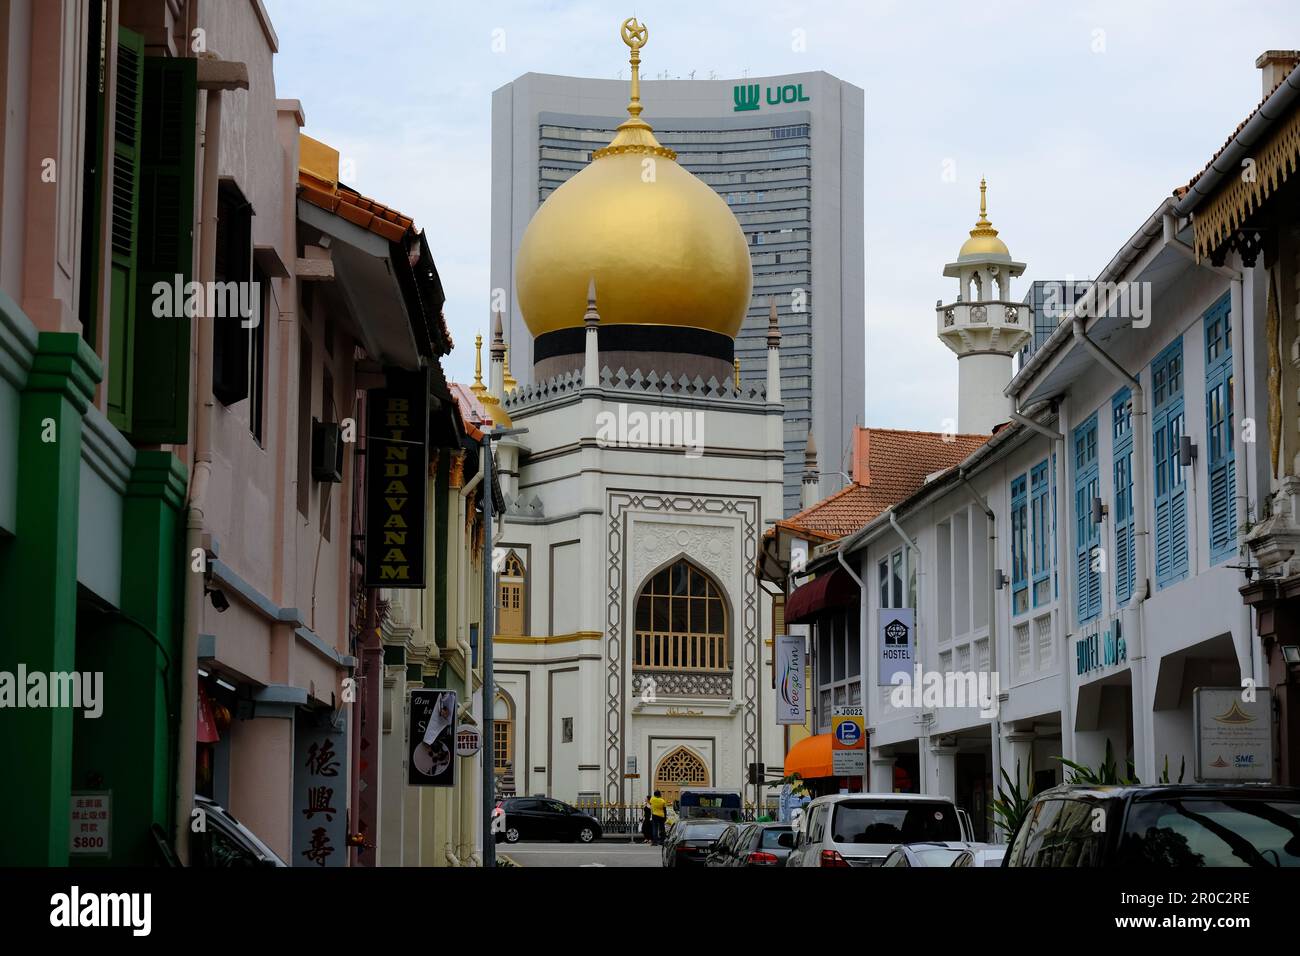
786, 154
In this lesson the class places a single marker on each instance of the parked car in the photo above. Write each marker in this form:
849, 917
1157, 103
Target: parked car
950, 853
859, 829
720, 854
690, 841
763, 844
541, 818
224, 841
984, 854
1160, 826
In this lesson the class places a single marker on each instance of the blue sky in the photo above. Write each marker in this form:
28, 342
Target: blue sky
1082, 116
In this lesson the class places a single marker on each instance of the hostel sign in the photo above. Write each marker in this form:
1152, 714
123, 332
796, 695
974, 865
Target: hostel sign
397, 470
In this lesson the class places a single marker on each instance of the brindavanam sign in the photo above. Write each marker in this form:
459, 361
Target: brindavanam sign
397, 470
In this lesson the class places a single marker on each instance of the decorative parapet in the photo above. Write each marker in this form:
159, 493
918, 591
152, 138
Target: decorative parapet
670, 683
622, 381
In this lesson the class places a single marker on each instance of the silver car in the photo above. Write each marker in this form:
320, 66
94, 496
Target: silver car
860, 829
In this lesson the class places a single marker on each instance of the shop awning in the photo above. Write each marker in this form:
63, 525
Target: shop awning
825, 592
810, 757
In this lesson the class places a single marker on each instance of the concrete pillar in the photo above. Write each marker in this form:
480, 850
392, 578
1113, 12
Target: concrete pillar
882, 772
943, 772
37, 742
1019, 754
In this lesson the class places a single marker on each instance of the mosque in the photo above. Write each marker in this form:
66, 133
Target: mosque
633, 646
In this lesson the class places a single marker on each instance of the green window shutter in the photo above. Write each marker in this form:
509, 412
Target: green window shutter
161, 395
124, 236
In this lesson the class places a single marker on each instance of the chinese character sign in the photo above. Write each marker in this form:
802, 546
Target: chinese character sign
320, 778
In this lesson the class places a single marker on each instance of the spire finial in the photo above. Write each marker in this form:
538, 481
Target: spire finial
592, 317
773, 325
735, 363
634, 134
498, 336
478, 388
508, 381
984, 218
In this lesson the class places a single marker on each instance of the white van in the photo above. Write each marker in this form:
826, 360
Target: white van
859, 829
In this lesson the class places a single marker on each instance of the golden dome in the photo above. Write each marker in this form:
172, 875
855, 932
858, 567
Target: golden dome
983, 239
663, 247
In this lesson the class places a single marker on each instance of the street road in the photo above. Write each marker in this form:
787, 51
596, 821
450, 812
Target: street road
600, 853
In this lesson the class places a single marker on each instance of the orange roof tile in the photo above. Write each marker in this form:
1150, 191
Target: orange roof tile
889, 465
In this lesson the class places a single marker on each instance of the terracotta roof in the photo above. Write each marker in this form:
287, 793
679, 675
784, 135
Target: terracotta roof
357, 209
472, 412
888, 466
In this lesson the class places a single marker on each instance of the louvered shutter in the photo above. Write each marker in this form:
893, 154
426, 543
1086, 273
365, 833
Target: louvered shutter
123, 234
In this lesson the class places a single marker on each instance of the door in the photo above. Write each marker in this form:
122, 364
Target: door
680, 768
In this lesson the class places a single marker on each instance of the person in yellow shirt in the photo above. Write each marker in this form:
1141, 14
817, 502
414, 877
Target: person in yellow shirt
658, 813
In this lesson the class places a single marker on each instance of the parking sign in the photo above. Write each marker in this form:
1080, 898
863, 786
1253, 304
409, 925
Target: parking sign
848, 742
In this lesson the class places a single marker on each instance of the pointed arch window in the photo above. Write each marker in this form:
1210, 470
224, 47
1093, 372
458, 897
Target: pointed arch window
503, 734
681, 622
511, 585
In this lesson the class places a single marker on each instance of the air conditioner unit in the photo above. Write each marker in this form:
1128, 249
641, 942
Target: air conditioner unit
326, 451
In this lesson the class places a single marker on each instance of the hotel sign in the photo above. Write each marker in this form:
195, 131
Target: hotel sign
397, 471
896, 641
745, 96
1234, 735
1100, 650
792, 697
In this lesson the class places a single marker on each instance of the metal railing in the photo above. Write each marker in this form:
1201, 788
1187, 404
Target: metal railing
625, 818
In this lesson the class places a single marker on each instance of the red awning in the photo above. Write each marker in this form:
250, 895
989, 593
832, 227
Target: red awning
825, 592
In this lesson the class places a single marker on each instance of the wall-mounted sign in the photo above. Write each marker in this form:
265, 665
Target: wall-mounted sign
745, 96
431, 739
791, 693
397, 470
1100, 649
468, 741
1234, 736
848, 742
320, 789
92, 823
896, 641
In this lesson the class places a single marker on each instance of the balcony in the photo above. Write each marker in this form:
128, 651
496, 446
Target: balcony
993, 326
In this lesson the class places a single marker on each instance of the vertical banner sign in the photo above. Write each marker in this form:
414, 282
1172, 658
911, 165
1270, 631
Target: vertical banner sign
791, 695
896, 641
848, 742
320, 789
431, 739
1234, 737
397, 470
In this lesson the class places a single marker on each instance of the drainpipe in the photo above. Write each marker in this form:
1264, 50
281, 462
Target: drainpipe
993, 626
200, 475
1141, 442
923, 742
466, 837
1066, 603
1240, 449
862, 651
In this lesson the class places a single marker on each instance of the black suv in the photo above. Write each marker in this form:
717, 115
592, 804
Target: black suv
1160, 827
541, 818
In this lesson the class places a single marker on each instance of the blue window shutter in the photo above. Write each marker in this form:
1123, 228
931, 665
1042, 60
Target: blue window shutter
1169, 486
1087, 537
1122, 436
1220, 451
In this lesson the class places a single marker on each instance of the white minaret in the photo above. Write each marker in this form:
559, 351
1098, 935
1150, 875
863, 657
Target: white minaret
811, 491
983, 326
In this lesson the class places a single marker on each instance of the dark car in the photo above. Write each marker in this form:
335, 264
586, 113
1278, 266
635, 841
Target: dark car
762, 844
1160, 827
541, 818
225, 842
689, 841
720, 854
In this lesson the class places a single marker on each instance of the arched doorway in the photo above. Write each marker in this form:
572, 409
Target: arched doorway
680, 768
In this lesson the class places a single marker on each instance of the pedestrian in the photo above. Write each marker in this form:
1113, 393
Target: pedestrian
658, 812
647, 822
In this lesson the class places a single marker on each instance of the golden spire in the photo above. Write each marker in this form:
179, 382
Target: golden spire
634, 134
478, 388
736, 365
507, 380
983, 227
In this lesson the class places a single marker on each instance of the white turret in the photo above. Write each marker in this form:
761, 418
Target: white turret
984, 326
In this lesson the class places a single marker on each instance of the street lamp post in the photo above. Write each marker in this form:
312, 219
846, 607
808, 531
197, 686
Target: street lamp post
488, 748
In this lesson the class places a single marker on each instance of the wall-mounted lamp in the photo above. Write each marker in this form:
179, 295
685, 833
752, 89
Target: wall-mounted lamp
1291, 653
1186, 450
218, 599
1098, 510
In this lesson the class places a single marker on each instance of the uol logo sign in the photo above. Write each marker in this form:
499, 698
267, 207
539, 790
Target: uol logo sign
746, 95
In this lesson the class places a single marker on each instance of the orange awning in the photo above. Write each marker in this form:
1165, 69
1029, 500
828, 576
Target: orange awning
810, 757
